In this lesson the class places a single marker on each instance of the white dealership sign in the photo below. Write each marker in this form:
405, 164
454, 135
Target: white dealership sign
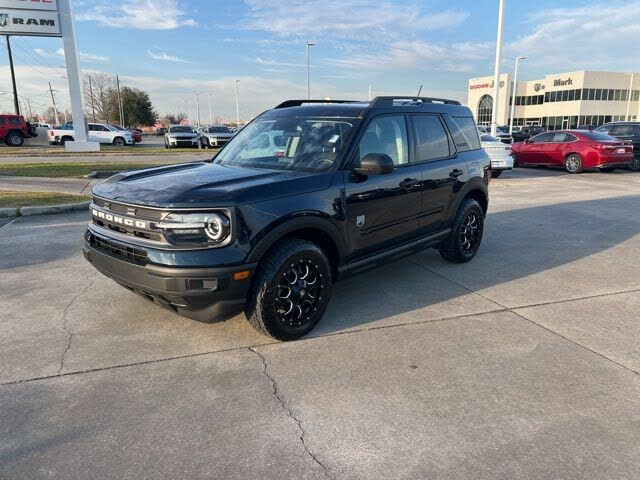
30, 4
29, 22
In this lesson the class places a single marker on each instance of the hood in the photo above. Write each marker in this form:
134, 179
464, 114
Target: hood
202, 184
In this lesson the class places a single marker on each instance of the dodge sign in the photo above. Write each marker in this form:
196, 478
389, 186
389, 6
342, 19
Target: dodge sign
30, 4
29, 22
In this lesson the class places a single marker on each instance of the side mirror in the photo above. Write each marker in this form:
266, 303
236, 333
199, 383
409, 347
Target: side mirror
375, 164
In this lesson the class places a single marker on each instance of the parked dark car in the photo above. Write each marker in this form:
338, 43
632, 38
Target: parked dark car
629, 132
574, 150
353, 184
160, 131
526, 132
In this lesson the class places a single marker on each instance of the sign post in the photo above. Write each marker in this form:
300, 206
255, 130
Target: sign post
52, 18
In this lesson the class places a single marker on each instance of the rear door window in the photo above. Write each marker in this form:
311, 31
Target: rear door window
432, 141
464, 133
543, 138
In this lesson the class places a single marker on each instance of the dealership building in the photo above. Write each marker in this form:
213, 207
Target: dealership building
563, 100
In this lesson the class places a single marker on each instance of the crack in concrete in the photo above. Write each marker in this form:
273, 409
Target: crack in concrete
65, 321
290, 413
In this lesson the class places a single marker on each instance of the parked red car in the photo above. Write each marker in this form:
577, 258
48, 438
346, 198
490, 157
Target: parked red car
574, 150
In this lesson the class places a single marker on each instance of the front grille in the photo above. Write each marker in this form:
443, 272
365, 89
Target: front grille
129, 254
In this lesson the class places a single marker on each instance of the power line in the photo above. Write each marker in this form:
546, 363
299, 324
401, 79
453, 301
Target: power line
29, 50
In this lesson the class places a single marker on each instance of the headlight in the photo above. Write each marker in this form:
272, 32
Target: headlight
197, 229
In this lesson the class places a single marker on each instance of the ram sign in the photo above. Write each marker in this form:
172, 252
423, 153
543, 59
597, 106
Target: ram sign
29, 22
51, 5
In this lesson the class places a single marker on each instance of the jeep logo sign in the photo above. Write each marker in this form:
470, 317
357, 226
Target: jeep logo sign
29, 22
562, 83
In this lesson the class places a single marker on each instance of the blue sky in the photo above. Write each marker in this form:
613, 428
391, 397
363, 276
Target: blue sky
171, 47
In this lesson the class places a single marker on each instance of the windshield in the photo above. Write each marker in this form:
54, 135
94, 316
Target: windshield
289, 143
181, 129
219, 130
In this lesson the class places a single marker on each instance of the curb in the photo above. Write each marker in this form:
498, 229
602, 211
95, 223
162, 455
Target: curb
45, 210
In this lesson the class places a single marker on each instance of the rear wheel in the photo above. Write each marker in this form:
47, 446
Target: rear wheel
573, 163
66, 139
466, 233
14, 139
496, 173
291, 290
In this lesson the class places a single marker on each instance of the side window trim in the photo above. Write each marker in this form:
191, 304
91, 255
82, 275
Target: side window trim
414, 134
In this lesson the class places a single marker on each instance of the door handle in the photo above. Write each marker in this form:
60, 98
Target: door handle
456, 173
409, 183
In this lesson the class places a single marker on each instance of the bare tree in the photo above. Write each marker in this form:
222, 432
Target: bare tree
99, 95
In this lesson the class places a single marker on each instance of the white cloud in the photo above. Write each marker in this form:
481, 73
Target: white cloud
599, 36
87, 57
367, 20
136, 14
165, 57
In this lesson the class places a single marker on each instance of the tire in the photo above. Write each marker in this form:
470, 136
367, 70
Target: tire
272, 290
635, 165
464, 240
119, 142
66, 139
496, 173
573, 163
14, 139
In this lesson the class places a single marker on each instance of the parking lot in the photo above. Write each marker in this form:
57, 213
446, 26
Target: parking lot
523, 363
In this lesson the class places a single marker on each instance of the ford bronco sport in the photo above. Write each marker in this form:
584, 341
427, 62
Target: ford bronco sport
307, 193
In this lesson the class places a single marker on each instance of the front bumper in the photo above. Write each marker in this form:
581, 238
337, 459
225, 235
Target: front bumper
203, 294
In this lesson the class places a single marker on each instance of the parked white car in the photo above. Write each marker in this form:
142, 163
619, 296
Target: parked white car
499, 152
98, 132
180, 136
215, 136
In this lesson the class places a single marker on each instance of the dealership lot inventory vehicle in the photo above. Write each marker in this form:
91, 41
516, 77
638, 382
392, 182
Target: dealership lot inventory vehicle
499, 153
137, 134
354, 184
215, 136
98, 132
629, 132
180, 136
574, 150
528, 131
14, 129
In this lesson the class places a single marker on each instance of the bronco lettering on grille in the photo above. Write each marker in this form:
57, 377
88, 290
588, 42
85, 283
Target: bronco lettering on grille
118, 219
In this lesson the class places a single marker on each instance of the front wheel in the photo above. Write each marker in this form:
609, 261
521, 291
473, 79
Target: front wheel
119, 142
466, 233
290, 291
573, 163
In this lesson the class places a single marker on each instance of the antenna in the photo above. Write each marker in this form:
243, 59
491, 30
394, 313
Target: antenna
419, 90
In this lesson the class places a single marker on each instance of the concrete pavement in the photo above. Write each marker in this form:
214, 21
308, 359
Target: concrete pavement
521, 364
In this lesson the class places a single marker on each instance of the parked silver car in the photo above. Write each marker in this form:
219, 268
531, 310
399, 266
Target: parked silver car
180, 136
215, 136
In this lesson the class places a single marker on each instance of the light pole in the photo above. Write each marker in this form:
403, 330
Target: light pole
496, 73
309, 45
513, 95
210, 112
237, 105
197, 94
627, 117
370, 92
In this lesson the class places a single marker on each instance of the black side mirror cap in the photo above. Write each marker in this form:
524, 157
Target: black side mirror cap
375, 164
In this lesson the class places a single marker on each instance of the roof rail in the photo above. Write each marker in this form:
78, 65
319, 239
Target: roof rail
387, 101
297, 103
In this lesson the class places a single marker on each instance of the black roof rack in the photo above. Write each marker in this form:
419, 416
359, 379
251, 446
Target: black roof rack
297, 103
387, 101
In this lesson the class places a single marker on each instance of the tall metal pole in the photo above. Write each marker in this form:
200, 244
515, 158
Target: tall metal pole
210, 112
120, 107
197, 94
237, 105
627, 117
496, 73
55, 110
93, 102
309, 44
513, 94
16, 104
74, 73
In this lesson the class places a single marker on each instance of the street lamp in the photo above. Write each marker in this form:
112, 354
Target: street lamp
513, 95
309, 45
496, 73
237, 105
197, 94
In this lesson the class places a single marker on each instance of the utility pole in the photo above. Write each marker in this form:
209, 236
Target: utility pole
16, 104
496, 73
197, 94
53, 99
93, 103
237, 105
30, 111
210, 112
120, 107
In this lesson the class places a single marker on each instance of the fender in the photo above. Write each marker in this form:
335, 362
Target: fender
474, 183
298, 223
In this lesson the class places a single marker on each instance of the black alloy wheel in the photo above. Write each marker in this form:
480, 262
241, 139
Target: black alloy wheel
299, 292
463, 242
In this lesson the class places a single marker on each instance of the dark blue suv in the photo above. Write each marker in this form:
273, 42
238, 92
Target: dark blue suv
307, 193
